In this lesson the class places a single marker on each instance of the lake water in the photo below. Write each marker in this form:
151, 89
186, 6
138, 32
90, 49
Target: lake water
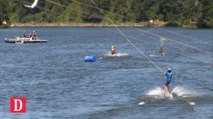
58, 84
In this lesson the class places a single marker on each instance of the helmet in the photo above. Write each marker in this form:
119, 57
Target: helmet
169, 69
112, 46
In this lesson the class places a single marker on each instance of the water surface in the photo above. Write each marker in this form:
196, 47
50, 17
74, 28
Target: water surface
59, 84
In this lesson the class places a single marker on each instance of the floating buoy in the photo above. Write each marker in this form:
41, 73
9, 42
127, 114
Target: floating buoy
90, 59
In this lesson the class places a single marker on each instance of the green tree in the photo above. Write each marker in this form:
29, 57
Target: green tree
206, 19
72, 14
179, 12
4, 11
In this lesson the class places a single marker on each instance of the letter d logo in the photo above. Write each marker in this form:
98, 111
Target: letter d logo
18, 105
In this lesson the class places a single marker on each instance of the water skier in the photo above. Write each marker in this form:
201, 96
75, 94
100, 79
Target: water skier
168, 80
161, 51
113, 50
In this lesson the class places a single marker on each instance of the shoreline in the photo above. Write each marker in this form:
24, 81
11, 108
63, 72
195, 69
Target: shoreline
100, 25
144, 24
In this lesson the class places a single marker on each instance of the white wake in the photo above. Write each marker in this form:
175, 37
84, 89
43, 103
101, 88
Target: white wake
178, 91
116, 55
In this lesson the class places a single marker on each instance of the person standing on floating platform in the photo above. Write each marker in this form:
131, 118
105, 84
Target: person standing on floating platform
34, 35
24, 35
168, 80
113, 50
31, 36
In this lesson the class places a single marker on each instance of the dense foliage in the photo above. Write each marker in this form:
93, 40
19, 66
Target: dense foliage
176, 12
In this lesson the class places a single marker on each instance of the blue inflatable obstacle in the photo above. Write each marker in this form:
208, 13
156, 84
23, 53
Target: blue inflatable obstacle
90, 59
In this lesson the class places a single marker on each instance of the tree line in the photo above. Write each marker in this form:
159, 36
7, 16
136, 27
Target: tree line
174, 12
